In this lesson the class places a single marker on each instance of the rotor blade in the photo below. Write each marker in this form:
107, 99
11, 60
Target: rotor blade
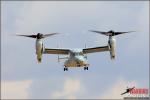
117, 33
103, 33
31, 36
47, 35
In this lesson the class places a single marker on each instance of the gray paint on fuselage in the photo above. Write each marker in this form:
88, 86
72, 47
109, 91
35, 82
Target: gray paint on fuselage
76, 59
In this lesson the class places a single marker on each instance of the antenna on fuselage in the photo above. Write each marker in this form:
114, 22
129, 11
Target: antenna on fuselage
85, 53
58, 54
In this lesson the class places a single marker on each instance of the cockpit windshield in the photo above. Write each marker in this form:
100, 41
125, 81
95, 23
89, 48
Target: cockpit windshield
76, 53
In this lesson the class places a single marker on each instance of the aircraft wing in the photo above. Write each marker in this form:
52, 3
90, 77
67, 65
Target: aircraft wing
96, 49
56, 51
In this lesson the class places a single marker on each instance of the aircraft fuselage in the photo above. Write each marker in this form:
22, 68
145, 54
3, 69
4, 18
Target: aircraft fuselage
76, 59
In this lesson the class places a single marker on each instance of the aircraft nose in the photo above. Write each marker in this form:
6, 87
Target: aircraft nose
81, 60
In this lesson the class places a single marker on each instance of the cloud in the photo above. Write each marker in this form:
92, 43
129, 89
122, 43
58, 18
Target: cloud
140, 40
117, 88
15, 89
53, 15
71, 88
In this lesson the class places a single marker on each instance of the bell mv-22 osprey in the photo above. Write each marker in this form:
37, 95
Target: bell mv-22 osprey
76, 57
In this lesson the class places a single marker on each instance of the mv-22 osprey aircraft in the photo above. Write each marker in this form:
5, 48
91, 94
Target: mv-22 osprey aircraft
77, 57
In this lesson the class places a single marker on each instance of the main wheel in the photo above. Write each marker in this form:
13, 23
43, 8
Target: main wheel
65, 69
85, 68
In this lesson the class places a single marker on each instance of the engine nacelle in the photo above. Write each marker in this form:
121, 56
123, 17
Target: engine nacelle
39, 49
112, 46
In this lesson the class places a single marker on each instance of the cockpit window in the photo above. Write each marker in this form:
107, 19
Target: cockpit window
76, 53
80, 53
73, 54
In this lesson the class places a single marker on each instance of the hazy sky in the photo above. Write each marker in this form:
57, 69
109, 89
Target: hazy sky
22, 77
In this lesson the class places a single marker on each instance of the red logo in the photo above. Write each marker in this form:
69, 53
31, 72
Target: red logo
139, 91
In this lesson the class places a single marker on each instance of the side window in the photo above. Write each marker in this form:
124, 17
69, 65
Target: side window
73, 54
